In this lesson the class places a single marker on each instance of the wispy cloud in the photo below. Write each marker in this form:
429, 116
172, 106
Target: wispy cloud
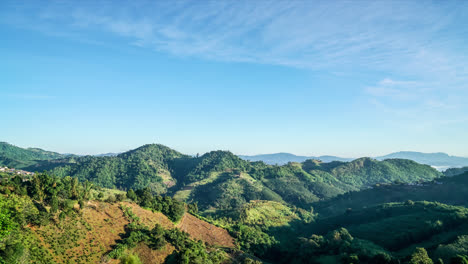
397, 36
423, 41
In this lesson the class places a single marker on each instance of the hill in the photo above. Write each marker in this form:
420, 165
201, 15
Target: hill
439, 160
365, 172
448, 190
220, 180
455, 171
145, 166
394, 229
16, 157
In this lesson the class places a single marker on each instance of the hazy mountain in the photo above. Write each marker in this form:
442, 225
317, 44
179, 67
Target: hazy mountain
283, 158
110, 154
439, 160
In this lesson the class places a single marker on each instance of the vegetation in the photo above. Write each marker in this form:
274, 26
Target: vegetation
455, 171
16, 157
362, 211
172, 208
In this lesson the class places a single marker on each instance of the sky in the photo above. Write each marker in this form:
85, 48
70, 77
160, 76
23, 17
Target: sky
345, 78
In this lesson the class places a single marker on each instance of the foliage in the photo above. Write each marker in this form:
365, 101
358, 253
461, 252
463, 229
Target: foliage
189, 251
420, 257
16, 157
172, 208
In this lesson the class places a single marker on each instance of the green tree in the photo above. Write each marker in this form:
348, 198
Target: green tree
420, 257
131, 195
54, 204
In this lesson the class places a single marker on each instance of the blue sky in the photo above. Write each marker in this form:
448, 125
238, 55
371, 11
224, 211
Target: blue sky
348, 78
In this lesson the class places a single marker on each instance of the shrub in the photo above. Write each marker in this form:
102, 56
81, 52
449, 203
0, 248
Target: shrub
111, 199
120, 197
130, 259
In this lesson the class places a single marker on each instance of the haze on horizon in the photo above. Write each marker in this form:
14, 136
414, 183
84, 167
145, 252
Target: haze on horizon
349, 79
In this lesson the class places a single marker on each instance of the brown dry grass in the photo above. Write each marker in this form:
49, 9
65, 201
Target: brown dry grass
201, 230
88, 238
149, 256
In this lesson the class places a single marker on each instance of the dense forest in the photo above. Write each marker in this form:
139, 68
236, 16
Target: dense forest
361, 211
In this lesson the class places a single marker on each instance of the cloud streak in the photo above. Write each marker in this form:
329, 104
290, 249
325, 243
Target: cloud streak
421, 46
314, 35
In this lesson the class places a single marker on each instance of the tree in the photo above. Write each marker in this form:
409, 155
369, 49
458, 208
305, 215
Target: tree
54, 204
119, 197
131, 195
37, 188
420, 257
74, 188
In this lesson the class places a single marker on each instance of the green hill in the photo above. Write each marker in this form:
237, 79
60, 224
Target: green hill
401, 227
16, 157
455, 171
366, 171
146, 166
448, 190
220, 180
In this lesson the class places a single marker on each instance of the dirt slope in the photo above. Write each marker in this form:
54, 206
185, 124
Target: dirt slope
201, 230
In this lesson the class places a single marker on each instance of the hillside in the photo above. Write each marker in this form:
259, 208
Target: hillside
448, 190
366, 171
393, 230
455, 171
220, 180
68, 223
16, 157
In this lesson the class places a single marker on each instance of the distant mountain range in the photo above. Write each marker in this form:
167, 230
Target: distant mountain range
440, 161
283, 158
110, 154
17, 157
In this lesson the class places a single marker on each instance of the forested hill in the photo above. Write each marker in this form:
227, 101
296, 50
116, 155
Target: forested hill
222, 180
16, 157
146, 166
448, 190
